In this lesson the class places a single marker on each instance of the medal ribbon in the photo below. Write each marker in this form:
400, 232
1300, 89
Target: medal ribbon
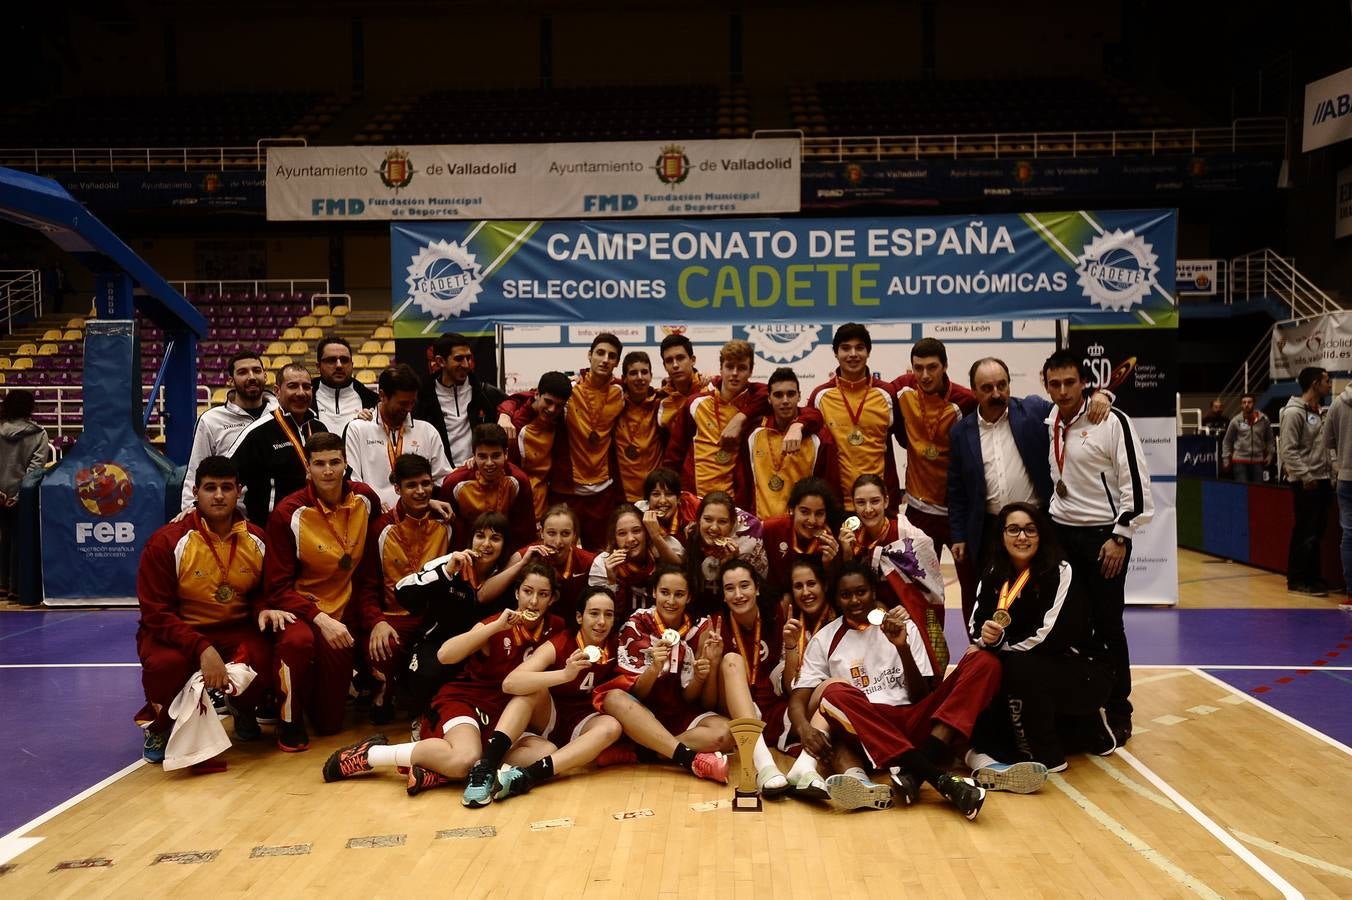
222, 567
632, 573
1009, 594
291, 436
752, 661
324, 516
1059, 444
931, 425
804, 636
855, 414
520, 635
605, 651
814, 546
394, 448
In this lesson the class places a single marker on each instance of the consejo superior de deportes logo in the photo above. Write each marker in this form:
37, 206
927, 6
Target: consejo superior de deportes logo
1117, 270
443, 279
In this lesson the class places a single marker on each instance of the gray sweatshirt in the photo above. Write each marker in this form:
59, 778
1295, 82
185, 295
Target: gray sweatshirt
1303, 459
1247, 442
23, 447
1336, 436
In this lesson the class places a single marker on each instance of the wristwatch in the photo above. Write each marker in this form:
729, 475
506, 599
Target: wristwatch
1119, 540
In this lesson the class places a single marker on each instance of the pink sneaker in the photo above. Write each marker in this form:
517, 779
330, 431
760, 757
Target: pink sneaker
711, 766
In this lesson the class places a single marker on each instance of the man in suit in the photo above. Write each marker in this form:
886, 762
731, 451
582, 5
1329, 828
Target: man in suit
999, 456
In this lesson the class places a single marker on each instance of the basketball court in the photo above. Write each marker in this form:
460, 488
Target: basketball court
1231, 786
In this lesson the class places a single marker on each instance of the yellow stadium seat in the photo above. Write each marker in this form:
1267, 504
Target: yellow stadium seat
279, 362
320, 310
379, 361
48, 350
220, 394
312, 333
23, 362
2, 377
370, 347
306, 321
72, 334
384, 331
27, 349
276, 347
339, 311
366, 376
75, 323
267, 362
291, 334
359, 361
52, 334
387, 346
5, 362
202, 408
327, 321
298, 348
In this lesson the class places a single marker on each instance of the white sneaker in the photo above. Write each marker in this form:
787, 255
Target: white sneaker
1017, 778
851, 793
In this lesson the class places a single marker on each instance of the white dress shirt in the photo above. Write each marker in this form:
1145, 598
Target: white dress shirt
1007, 479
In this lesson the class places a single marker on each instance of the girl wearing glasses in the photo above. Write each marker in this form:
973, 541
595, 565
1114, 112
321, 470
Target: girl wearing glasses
1031, 612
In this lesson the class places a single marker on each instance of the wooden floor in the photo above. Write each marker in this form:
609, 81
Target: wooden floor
1131, 825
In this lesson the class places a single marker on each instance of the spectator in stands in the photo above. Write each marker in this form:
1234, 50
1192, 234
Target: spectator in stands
338, 397
23, 448
457, 400
1305, 462
218, 427
270, 453
1215, 418
372, 447
1248, 446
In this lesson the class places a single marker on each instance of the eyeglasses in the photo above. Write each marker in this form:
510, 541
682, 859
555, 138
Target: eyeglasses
337, 360
1015, 530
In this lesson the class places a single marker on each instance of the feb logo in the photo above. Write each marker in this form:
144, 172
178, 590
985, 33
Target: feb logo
443, 279
396, 172
104, 488
673, 166
1117, 270
782, 343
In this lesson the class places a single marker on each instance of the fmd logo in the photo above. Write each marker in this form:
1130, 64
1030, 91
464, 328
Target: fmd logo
348, 207
609, 202
1332, 108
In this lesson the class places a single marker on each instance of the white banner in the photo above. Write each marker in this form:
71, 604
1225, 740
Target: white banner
534, 181
1328, 111
1196, 276
1152, 574
1342, 210
1325, 342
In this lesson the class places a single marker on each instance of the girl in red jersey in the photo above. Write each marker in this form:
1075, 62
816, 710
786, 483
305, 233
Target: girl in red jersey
869, 495
670, 664
627, 564
557, 546
752, 668
720, 532
567, 667
463, 708
666, 511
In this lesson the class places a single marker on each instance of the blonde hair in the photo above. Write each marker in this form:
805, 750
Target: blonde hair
736, 351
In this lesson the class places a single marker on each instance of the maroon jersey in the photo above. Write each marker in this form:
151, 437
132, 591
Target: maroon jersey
769, 660
506, 650
577, 694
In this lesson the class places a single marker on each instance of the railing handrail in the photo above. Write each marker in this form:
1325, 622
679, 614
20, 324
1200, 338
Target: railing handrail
220, 285
108, 159
19, 294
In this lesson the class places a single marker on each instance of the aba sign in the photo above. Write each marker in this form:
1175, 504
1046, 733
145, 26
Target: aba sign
1328, 111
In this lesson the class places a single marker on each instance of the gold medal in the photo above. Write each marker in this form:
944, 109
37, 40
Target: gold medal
631, 452
530, 615
345, 562
776, 483
722, 457
930, 452
224, 594
1001, 617
1061, 489
855, 437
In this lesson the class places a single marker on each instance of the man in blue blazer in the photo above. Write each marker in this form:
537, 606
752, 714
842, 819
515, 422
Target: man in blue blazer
999, 455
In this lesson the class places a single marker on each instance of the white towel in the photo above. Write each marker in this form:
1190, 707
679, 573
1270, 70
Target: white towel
198, 734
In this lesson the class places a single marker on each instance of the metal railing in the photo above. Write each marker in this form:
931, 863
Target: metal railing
60, 409
1265, 273
144, 159
1256, 135
255, 286
20, 292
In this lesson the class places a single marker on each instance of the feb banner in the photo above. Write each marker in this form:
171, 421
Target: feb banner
473, 276
580, 180
1324, 341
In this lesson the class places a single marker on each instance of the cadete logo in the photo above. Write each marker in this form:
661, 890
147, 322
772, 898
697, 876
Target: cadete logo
673, 166
1117, 270
443, 279
396, 172
782, 343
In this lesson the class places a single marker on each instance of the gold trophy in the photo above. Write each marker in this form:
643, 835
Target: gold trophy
746, 797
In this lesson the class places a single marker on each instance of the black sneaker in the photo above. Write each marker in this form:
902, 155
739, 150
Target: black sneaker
962, 793
353, 759
219, 703
480, 785
292, 737
1103, 738
382, 713
905, 787
266, 713
246, 725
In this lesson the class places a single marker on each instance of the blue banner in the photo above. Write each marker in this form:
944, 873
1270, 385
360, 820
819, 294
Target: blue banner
470, 276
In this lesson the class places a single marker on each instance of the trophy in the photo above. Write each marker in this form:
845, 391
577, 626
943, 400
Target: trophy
746, 797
